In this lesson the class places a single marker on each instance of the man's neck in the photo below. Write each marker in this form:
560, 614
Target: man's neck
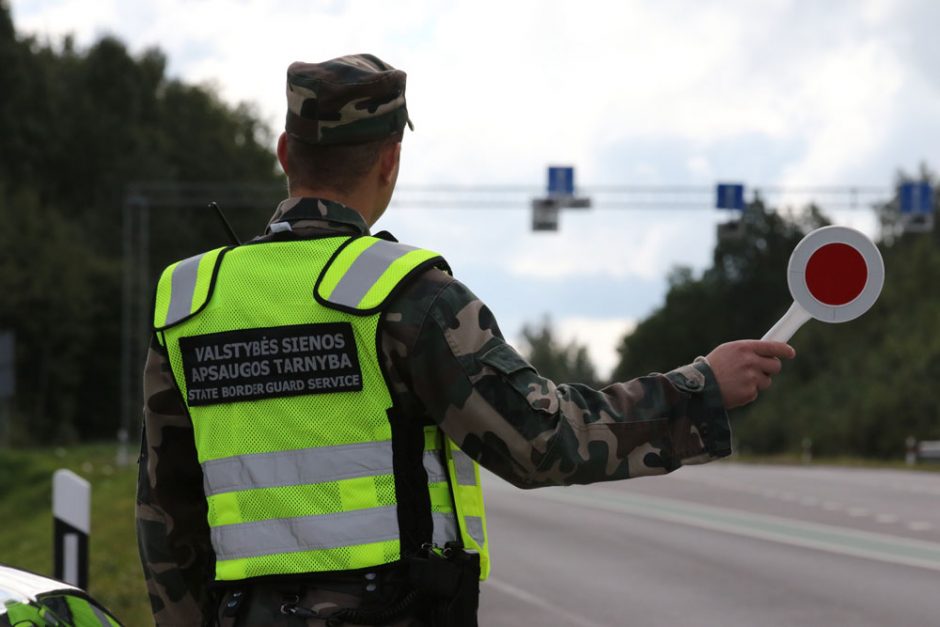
361, 201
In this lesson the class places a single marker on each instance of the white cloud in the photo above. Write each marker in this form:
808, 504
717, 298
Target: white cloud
55, 19
601, 336
699, 167
799, 93
852, 92
499, 89
616, 244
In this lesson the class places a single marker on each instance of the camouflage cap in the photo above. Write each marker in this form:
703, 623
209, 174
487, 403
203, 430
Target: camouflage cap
347, 100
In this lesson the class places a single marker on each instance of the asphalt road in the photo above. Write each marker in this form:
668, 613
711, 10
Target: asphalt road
725, 545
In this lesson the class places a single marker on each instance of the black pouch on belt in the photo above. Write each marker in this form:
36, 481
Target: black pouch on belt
449, 583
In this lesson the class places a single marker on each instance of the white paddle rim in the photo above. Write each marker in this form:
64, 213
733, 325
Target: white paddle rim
796, 273
805, 305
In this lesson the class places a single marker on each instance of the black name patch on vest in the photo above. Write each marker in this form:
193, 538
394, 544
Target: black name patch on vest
252, 364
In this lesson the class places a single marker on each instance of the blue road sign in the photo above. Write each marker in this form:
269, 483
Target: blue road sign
729, 196
916, 198
560, 181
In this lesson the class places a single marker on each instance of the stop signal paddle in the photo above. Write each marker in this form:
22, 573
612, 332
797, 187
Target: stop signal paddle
835, 274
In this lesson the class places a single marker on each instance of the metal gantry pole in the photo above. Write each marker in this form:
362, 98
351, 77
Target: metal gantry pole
127, 294
143, 327
135, 248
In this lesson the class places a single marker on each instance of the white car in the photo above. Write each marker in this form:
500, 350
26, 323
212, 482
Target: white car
30, 600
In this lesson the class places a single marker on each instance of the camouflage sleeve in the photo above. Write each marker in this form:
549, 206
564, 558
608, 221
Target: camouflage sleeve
453, 364
172, 531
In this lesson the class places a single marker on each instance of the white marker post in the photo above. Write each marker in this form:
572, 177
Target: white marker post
71, 511
835, 275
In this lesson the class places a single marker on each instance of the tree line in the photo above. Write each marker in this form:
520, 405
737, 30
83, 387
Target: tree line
859, 388
77, 128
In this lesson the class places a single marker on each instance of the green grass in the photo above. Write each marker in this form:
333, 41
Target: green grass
115, 577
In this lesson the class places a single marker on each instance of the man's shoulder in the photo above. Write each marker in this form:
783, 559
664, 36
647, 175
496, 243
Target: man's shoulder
437, 298
433, 291
420, 294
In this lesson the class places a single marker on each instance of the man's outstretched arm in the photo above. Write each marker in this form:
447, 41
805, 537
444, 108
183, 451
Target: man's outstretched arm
456, 366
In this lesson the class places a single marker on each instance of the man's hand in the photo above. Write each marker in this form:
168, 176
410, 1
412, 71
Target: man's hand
743, 368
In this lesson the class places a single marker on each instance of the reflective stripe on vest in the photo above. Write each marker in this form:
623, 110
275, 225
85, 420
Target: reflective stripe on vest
445, 528
366, 270
305, 533
297, 467
464, 468
468, 498
184, 288
475, 529
462, 475
434, 467
443, 518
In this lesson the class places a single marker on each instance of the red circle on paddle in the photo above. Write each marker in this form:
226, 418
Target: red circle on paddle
836, 274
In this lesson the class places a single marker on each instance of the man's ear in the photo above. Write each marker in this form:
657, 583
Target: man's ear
282, 152
388, 163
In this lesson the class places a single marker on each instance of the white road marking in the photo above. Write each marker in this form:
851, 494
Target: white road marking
918, 525
832, 506
858, 512
527, 597
886, 518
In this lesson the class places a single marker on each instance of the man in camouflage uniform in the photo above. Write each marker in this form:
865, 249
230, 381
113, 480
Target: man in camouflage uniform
445, 359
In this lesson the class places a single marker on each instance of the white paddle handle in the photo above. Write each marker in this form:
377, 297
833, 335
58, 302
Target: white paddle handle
788, 324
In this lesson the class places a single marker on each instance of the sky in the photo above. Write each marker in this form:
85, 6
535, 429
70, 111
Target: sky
782, 93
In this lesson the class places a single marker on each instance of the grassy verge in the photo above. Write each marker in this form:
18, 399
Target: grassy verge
115, 577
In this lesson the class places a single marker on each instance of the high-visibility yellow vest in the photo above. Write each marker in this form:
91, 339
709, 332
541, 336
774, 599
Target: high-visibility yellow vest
307, 466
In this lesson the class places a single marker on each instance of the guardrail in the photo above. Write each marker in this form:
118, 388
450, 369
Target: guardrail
925, 450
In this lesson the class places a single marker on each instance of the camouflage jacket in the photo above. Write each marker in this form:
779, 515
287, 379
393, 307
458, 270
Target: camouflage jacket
447, 361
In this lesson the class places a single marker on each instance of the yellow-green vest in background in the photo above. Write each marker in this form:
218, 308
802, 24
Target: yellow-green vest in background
307, 465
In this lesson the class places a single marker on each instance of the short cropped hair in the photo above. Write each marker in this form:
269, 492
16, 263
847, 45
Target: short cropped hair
337, 167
